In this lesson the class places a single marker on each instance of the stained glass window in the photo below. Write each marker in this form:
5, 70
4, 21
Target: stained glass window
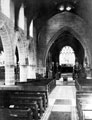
67, 56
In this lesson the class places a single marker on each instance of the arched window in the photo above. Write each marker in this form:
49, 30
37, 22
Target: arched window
5, 7
21, 17
67, 56
31, 29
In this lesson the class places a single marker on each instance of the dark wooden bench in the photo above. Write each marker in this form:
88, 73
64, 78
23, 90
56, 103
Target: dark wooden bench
32, 105
45, 84
38, 85
28, 100
8, 98
83, 84
15, 114
83, 103
32, 94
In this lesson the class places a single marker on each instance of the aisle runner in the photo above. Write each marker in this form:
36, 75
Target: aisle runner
60, 116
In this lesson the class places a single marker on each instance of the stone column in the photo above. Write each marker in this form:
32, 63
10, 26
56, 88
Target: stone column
40, 69
25, 25
31, 72
23, 73
32, 66
32, 60
9, 75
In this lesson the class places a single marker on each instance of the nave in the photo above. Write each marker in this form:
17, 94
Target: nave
62, 102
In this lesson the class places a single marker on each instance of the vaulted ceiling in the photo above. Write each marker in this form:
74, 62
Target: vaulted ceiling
41, 10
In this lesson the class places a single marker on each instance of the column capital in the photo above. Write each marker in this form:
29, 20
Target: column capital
24, 65
32, 65
7, 65
9, 75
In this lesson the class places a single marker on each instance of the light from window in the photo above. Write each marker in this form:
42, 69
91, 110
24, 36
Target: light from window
67, 56
61, 8
68, 8
21, 17
31, 29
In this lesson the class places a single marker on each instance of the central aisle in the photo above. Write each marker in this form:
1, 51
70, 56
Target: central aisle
62, 102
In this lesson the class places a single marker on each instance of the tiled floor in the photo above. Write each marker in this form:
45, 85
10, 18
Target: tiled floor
62, 99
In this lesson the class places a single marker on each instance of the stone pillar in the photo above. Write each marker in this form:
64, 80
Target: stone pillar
32, 60
40, 69
23, 73
31, 72
9, 75
25, 25
32, 66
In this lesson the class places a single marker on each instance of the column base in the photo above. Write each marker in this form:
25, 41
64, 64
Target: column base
9, 75
23, 73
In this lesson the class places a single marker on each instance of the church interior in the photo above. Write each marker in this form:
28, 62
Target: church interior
45, 60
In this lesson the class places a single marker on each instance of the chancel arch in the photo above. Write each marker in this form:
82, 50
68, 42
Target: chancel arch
66, 39
65, 22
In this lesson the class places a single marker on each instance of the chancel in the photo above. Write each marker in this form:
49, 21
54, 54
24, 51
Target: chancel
45, 59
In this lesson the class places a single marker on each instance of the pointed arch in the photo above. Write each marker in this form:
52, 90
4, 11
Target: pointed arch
57, 25
6, 42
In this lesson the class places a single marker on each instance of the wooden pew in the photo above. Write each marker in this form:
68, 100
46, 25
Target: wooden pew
32, 105
8, 98
38, 85
42, 86
15, 114
83, 96
32, 94
83, 84
83, 103
46, 84
29, 100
